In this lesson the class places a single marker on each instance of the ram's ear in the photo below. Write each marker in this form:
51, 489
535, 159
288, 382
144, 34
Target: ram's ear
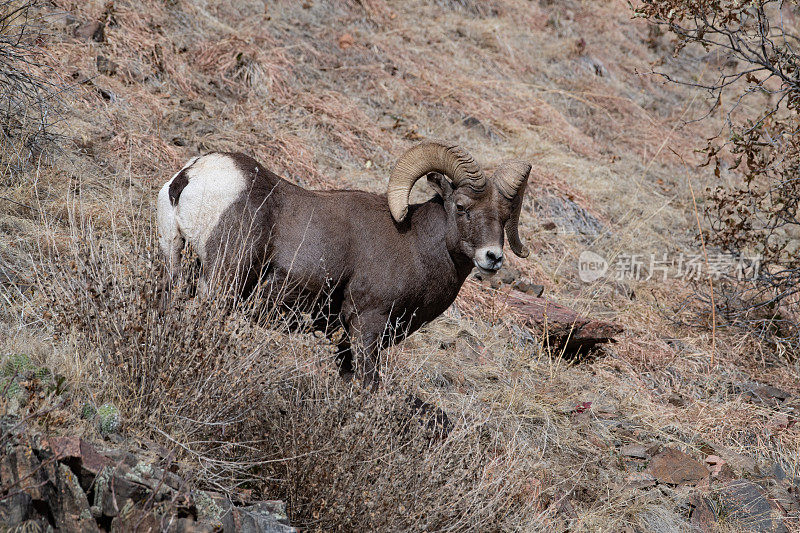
441, 185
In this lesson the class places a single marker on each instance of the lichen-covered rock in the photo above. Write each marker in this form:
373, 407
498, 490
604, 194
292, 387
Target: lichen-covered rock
34, 526
15, 509
744, 505
118, 487
263, 517
210, 509
52, 477
70, 504
674, 467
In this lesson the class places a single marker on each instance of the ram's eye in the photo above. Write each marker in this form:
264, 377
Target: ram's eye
461, 209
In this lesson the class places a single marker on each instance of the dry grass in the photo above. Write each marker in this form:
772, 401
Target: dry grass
328, 94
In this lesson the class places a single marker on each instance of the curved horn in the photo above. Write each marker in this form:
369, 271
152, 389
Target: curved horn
511, 179
432, 156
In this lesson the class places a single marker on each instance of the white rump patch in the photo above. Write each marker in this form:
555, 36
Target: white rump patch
169, 236
215, 182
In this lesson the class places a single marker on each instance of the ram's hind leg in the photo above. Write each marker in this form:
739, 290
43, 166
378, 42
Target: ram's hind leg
170, 239
344, 360
328, 322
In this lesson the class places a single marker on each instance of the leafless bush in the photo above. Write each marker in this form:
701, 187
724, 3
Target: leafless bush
758, 215
28, 91
260, 408
163, 352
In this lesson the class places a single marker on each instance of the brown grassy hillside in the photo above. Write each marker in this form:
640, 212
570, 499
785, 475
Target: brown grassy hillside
328, 94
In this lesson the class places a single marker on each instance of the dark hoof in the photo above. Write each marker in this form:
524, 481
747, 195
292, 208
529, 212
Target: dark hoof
347, 377
345, 366
433, 418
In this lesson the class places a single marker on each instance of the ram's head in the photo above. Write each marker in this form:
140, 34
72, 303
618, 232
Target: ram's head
477, 209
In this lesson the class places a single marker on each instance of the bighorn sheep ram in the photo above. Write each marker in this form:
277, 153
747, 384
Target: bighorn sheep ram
372, 264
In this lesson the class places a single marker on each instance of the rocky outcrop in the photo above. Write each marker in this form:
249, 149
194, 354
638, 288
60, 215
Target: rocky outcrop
68, 484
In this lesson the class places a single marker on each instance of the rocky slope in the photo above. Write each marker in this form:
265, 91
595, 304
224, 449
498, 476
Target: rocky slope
67, 484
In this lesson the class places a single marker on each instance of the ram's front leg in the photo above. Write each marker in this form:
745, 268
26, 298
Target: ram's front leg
368, 337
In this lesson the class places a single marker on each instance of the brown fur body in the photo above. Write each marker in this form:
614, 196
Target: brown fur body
340, 254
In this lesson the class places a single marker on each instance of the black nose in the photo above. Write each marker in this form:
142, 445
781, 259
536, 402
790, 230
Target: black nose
495, 258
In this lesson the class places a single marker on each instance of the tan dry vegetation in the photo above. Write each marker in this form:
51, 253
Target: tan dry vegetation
328, 94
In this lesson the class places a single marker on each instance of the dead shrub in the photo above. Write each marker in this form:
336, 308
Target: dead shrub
753, 211
260, 408
28, 93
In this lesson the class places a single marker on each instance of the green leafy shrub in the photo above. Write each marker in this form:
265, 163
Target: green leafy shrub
16, 364
88, 411
9, 387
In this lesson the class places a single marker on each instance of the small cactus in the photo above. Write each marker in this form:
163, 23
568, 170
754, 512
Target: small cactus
16, 364
107, 419
9, 387
88, 411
